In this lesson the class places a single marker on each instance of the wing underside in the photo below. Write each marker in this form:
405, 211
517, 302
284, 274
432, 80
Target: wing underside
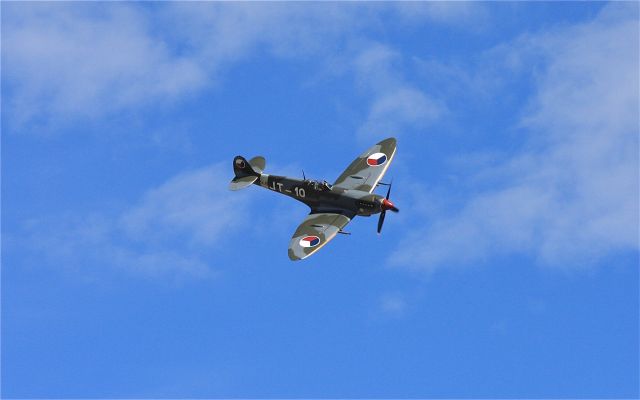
365, 172
314, 232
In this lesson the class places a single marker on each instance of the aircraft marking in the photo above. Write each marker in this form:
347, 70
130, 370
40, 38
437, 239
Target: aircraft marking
300, 192
376, 159
309, 241
273, 186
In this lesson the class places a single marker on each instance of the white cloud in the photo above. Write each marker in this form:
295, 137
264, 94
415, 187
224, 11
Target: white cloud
224, 32
396, 105
82, 60
398, 110
572, 197
170, 232
64, 61
196, 205
456, 13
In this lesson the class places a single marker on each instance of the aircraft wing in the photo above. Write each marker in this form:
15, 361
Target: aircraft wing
314, 232
365, 172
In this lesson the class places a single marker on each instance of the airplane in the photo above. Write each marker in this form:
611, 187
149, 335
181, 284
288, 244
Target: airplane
332, 206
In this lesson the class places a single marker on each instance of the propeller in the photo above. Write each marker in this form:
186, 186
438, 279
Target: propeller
386, 205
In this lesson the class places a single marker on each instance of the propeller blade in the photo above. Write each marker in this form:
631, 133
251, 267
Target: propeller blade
381, 221
389, 190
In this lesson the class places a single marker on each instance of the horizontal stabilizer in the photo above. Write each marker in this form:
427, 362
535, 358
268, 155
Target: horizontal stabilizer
241, 183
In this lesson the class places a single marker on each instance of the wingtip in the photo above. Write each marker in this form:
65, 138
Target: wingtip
388, 140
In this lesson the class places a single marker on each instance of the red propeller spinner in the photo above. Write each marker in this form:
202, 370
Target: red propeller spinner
388, 205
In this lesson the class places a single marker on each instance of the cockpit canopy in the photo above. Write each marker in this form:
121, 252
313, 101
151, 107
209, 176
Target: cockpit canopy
320, 185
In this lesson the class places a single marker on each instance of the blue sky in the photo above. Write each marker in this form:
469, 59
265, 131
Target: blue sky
129, 270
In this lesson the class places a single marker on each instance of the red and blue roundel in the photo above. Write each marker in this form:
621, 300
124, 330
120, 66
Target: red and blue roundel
309, 241
376, 159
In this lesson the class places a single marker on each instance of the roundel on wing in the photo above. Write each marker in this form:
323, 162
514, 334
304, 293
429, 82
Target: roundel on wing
376, 159
309, 241
240, 163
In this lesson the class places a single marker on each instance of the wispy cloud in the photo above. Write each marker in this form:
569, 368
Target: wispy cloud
466, 14
397, 106
392, 305
68, 61
571, 198
195, 206
172, 231
82, 60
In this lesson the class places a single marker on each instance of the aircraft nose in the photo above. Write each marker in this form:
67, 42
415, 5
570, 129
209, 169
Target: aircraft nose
388, 205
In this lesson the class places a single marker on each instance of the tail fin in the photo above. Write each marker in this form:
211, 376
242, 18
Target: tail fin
258, 163
246, 172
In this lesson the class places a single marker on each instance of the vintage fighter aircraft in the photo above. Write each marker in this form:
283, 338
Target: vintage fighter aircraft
332, 206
